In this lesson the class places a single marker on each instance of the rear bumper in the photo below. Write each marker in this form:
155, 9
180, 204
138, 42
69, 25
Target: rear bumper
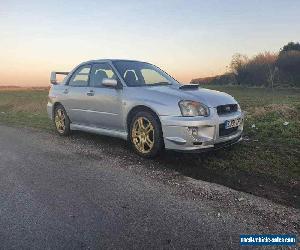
50, 110
199, 133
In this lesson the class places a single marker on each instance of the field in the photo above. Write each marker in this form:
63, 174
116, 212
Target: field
266, 163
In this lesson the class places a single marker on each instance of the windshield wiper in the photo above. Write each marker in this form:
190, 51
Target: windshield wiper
161, 83
152, 84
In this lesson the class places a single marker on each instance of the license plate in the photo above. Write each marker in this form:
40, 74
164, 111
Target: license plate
233, 123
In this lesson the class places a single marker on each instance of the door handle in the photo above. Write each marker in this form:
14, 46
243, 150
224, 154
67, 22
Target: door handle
90, 93
66, 91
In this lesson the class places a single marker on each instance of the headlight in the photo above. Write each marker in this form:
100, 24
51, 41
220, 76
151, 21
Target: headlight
191, 108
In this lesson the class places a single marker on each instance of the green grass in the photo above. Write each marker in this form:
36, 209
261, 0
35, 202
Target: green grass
271, 149
25, 107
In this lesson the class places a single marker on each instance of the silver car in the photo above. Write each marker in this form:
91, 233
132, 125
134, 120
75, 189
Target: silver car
138, 102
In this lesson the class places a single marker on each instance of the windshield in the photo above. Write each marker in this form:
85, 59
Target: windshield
137, 74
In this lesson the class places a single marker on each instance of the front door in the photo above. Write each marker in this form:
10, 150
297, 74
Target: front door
104, 103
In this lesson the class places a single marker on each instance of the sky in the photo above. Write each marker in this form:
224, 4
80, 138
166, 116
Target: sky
186, 38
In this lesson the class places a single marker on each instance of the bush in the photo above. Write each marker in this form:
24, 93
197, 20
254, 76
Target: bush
289, 67
257, 71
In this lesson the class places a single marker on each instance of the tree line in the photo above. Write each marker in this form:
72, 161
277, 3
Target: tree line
265, 69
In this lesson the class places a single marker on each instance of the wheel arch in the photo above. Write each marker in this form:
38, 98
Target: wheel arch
139, 108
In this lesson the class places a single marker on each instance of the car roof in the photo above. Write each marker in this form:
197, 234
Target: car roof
109, 60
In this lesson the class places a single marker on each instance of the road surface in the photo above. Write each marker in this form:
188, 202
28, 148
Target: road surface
70, 193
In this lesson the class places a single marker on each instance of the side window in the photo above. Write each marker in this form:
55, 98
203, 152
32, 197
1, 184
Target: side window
151, 77
131, 77
80, 78
99, 72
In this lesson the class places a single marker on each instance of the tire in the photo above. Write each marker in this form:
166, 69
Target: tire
61, 121
145, 135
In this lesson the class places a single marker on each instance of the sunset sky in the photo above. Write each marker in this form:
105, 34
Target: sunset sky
188, 39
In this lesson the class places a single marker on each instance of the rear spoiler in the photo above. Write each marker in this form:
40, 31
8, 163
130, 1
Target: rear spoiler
53, 79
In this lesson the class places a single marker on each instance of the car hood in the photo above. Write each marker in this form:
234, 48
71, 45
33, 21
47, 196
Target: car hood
210, 98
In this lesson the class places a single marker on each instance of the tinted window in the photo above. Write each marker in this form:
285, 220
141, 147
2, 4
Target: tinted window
80, 78
142, 74
99, 72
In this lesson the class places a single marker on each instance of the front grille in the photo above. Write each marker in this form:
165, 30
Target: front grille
227, 109
226, 132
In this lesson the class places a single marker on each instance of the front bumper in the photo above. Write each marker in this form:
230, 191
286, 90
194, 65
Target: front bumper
199, 133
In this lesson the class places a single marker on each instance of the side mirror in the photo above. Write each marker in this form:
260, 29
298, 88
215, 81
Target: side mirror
109, 82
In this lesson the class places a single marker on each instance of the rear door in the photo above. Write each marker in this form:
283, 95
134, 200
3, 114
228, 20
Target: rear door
75, 95
104, 103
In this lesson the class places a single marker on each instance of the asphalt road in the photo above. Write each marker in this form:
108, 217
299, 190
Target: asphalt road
55, 194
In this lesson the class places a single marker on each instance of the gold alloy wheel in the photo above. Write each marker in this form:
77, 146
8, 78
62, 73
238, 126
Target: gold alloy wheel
60, 121
143, 135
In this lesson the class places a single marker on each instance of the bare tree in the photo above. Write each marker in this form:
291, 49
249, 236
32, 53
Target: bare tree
237, 66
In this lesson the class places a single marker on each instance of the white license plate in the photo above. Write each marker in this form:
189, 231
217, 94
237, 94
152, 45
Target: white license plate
233, 123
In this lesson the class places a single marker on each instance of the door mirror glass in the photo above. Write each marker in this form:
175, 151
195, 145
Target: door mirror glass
109, 82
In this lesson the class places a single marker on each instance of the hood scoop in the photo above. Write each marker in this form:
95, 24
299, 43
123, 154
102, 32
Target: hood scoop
189, 86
